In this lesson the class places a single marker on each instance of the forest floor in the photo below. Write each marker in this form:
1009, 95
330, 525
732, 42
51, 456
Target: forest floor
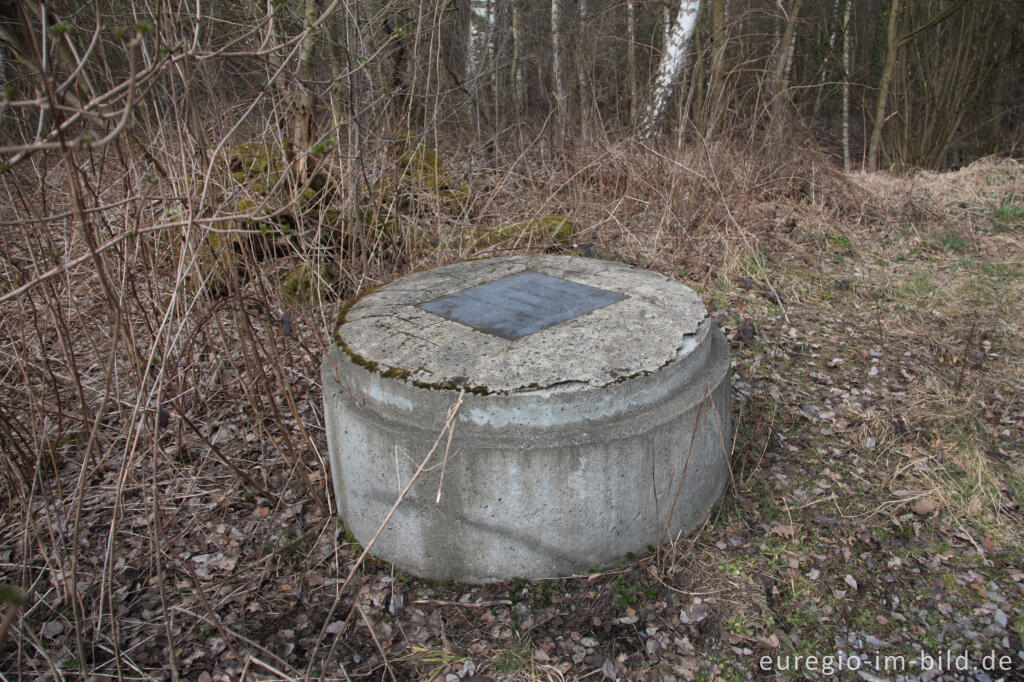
874, 528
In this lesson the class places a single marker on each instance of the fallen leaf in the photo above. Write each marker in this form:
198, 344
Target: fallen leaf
849, 580
925, 505
746, 332
783, 531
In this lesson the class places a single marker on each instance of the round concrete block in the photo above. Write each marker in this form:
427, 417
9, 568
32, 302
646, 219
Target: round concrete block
594, 421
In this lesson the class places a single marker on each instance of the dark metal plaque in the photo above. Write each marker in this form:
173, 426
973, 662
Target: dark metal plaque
517, 305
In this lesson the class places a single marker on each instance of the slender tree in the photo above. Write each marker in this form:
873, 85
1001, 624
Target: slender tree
716, 89
846, 86
557, 77
892, 47
784, 56
634, 94
677, 35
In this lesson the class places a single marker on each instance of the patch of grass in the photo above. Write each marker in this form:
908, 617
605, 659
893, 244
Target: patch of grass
435, 660
739, 626
1002, 270
918, 286
955, 242
626, 591
1009, 212
513, 658
839, 242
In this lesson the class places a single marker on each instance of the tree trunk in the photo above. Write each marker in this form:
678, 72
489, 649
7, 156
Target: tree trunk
892, 47
716, 91
677, 37
846, 86
516, 68
581, 67
634, 94
556, 69
478, 42
303, 102
784, 59
481, 21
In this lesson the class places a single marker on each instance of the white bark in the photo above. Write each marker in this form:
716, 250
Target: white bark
677, 37
634, 95
556, 64
481, 21
581, 65
517, 70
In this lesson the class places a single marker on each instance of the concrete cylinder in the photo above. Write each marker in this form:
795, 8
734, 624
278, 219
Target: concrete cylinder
594, 420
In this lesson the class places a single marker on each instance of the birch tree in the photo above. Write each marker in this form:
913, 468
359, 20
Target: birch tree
516, 67
634, 94
677, 35
581, 65
481, 23
556, 67
480, 30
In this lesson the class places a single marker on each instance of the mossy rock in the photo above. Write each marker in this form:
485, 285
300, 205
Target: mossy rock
421, 182
9, 594
255, 159
303, 284
421, 167
263, 172
551, 229
263, 168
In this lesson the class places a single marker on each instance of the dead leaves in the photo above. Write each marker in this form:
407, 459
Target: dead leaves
783, 531
925, 505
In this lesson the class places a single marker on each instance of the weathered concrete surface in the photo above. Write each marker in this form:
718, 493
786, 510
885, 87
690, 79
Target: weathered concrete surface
575, 447
638, 335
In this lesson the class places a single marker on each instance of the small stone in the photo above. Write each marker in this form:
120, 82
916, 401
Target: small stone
694, 614
53, 629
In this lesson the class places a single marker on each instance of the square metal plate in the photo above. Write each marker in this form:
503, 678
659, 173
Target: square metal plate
518, 305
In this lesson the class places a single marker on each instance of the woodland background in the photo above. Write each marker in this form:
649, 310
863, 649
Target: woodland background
191, 190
